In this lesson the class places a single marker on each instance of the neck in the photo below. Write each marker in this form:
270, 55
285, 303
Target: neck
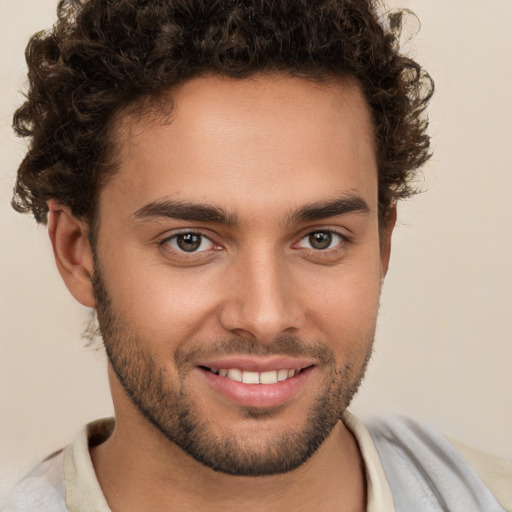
157, 475
139, 469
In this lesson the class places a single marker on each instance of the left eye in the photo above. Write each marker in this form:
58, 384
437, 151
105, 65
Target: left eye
189, 242
321, 240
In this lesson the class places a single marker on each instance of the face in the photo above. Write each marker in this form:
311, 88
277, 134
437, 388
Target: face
238, 265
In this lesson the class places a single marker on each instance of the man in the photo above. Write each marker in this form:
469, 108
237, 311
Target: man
220, 183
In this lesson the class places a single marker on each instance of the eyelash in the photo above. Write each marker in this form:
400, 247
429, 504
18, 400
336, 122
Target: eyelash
164, 244
343, 239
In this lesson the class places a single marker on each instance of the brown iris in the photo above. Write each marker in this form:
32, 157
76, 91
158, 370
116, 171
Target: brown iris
189, 242
320, 240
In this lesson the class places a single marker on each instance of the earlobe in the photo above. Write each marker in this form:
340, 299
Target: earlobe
387, 231
73, 255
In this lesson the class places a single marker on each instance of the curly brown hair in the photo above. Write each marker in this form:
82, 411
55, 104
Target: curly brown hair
103, 56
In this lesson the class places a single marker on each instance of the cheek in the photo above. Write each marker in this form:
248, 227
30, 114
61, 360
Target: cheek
344, 308
169, 306
162, 304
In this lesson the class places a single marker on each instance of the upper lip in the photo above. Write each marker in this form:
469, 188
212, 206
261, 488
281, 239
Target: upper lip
258, 364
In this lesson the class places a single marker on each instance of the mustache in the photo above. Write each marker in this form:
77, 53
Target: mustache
285, 345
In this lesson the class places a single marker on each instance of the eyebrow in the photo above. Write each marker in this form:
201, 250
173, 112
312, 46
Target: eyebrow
177, 209
327, 209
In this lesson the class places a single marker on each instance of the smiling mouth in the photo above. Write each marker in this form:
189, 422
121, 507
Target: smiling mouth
250, 377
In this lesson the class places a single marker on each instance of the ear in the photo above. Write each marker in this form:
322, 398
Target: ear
72, 252
385, 238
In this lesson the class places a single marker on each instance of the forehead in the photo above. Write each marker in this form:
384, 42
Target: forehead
262, 141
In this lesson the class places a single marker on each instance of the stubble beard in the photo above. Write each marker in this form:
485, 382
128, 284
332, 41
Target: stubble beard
173, 412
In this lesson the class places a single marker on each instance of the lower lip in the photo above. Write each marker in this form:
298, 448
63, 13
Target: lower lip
258, 395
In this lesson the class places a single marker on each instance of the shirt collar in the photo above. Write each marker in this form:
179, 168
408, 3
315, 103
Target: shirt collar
84, 494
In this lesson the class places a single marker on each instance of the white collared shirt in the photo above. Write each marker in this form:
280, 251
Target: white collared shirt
408, 467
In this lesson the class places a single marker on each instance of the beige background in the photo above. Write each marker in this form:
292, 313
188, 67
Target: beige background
444, 347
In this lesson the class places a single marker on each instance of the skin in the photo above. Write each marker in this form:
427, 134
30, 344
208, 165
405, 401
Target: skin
260, 149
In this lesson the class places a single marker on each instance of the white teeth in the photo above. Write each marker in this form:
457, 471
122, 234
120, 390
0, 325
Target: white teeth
235, 374
282, 375
250, 377
270, 377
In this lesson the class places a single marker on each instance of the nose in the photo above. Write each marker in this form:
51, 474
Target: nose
263, 300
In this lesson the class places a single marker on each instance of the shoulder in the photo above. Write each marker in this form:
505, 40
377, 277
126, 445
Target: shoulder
495, 472
43, 489
424, 466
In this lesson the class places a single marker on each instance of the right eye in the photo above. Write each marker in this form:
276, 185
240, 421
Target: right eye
189, 242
